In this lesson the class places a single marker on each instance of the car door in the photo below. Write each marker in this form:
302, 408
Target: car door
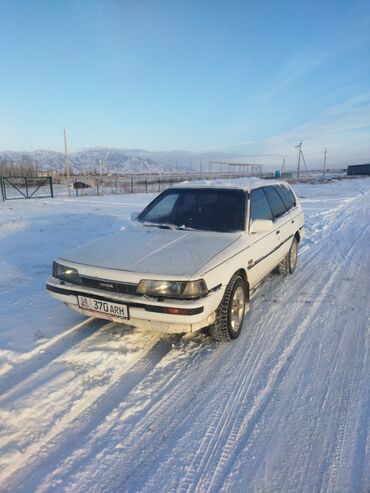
262, 244
282, 226
291, 221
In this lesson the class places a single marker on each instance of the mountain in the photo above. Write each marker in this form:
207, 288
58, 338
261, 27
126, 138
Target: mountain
87, 161
123, 161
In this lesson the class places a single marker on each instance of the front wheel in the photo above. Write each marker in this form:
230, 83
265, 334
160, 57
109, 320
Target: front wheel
289, 263
230, 313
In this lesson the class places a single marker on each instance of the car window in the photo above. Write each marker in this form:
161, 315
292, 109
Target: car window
163, 209
287, 196
260, 208
275, 201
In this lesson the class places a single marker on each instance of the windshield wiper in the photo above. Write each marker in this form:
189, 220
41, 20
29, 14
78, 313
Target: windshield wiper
169, 226
159, 225
185, 228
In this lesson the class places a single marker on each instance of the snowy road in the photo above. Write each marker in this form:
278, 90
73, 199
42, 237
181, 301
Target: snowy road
100, 407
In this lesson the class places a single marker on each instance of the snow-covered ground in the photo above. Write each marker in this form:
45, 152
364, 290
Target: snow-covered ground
87, 405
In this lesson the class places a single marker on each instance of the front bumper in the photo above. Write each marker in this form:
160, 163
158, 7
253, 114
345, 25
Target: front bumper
144, 312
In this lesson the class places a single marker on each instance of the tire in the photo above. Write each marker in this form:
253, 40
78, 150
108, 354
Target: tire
288, 265
230, 313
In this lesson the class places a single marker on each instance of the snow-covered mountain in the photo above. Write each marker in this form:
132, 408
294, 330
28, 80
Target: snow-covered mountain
126, 161
87, 161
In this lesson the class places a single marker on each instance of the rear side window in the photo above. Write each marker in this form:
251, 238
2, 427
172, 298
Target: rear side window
275, 201
287, 196
260, 208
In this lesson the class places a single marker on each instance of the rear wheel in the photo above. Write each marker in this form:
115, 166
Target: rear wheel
230, 313
288, 264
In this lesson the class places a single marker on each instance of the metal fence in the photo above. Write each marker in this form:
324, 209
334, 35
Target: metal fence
42, 187
123, 185
106, 185
26, 187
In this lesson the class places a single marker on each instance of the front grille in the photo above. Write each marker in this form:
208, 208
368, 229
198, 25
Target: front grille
113, 286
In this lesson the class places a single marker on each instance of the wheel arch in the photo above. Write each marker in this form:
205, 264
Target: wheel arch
243, 274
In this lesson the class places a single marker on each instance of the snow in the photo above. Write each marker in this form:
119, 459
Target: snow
88, 405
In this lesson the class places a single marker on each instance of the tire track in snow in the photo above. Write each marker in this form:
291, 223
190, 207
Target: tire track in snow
219, 422
46, 353
58, 446
304, 460
362, 463
223, 454
300, 460
152, 417
241, 426
332, 475
188, 408
221, 415
168, 414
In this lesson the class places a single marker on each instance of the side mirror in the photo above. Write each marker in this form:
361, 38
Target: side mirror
261, 226
134, 216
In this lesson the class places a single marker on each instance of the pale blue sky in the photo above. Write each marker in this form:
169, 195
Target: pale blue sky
250, 77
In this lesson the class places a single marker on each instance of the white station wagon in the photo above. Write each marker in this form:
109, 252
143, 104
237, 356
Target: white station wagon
189, 261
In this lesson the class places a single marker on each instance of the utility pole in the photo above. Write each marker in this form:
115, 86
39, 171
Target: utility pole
200, 167
299, 146
100, 167
324, 169
282, 169
66, 159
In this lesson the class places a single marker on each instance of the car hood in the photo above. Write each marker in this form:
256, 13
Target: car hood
153, 250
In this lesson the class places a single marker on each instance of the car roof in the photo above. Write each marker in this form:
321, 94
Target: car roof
246, 184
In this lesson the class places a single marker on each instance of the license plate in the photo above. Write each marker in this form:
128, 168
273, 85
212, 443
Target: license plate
113, 309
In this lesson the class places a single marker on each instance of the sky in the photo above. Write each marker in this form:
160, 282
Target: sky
252, 78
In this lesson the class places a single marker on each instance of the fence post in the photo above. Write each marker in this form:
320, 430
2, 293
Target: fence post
75, 184
97, 186
159, 184
115, 184
51, 187
2, 187
25, 182
132, 185
146, 185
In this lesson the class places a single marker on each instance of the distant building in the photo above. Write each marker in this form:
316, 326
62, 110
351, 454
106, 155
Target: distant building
359, 169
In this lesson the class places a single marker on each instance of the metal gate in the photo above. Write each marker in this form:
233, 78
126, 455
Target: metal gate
26, 187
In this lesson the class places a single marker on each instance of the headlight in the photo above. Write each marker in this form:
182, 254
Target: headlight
173, 289
65, 273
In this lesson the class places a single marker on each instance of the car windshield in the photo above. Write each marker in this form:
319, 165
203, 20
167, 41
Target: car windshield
199, 209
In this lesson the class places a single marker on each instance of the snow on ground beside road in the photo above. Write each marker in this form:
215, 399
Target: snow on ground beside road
89, 405
32, 234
